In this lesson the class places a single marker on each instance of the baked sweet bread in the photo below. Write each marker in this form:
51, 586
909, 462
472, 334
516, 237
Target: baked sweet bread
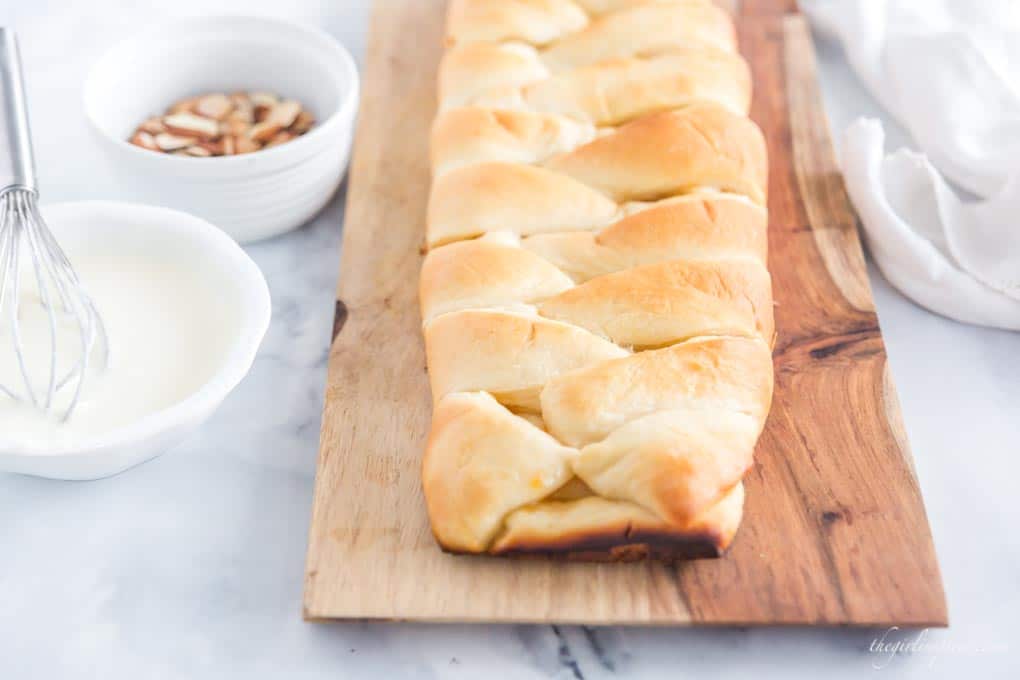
597, 308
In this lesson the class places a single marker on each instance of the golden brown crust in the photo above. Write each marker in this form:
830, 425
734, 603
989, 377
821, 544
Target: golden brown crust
640, 307
475, 199
533, 21
472, 134
663, 27
702, 374
486, 272
596, 306
607, 92
620, 89
613, 531
481, 462
693, 227
471, 72
674, 463
588, 30
509, 354
670, 153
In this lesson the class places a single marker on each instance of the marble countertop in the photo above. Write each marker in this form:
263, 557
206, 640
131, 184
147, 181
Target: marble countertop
191, 566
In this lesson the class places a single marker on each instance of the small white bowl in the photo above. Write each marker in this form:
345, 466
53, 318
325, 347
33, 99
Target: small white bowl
243, 287
251, 196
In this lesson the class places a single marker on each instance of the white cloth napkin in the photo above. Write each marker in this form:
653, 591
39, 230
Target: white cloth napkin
949, 72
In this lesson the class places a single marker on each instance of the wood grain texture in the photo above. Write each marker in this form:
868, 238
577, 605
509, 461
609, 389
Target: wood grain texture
834, 527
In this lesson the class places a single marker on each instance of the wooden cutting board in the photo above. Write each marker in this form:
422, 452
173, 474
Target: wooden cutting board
834, 528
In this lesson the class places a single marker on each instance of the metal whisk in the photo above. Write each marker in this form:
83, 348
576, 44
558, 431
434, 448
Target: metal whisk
37, 282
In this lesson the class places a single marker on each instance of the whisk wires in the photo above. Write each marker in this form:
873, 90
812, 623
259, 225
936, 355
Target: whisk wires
31, 257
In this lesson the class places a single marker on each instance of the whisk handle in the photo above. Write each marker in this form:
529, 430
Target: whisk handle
17, 166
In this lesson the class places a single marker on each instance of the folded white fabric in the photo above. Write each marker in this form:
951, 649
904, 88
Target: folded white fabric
961, 260
949, 71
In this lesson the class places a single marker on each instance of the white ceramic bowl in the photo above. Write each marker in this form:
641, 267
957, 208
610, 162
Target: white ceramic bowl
241, 285
252, 196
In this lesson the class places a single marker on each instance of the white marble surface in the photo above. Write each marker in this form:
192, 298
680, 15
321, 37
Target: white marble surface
191, 566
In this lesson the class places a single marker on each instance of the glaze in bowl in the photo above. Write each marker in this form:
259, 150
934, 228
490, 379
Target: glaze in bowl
239, 285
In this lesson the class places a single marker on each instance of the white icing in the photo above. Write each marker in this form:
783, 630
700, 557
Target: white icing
168, 332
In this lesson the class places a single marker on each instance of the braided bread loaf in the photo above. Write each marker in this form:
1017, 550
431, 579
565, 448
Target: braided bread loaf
597, 308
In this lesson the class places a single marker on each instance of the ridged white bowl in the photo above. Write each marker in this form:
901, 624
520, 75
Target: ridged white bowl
251, 196
241, 286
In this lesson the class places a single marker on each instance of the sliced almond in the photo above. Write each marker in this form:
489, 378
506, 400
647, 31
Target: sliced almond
281, 137
214, 147
153, 126
285, 113
190, 124
144, 140
244, 144
263, 132
234, 127
171, 142
244, 110
217, 123
263, 103
303, 123
215, 106
183, 105
263, 99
